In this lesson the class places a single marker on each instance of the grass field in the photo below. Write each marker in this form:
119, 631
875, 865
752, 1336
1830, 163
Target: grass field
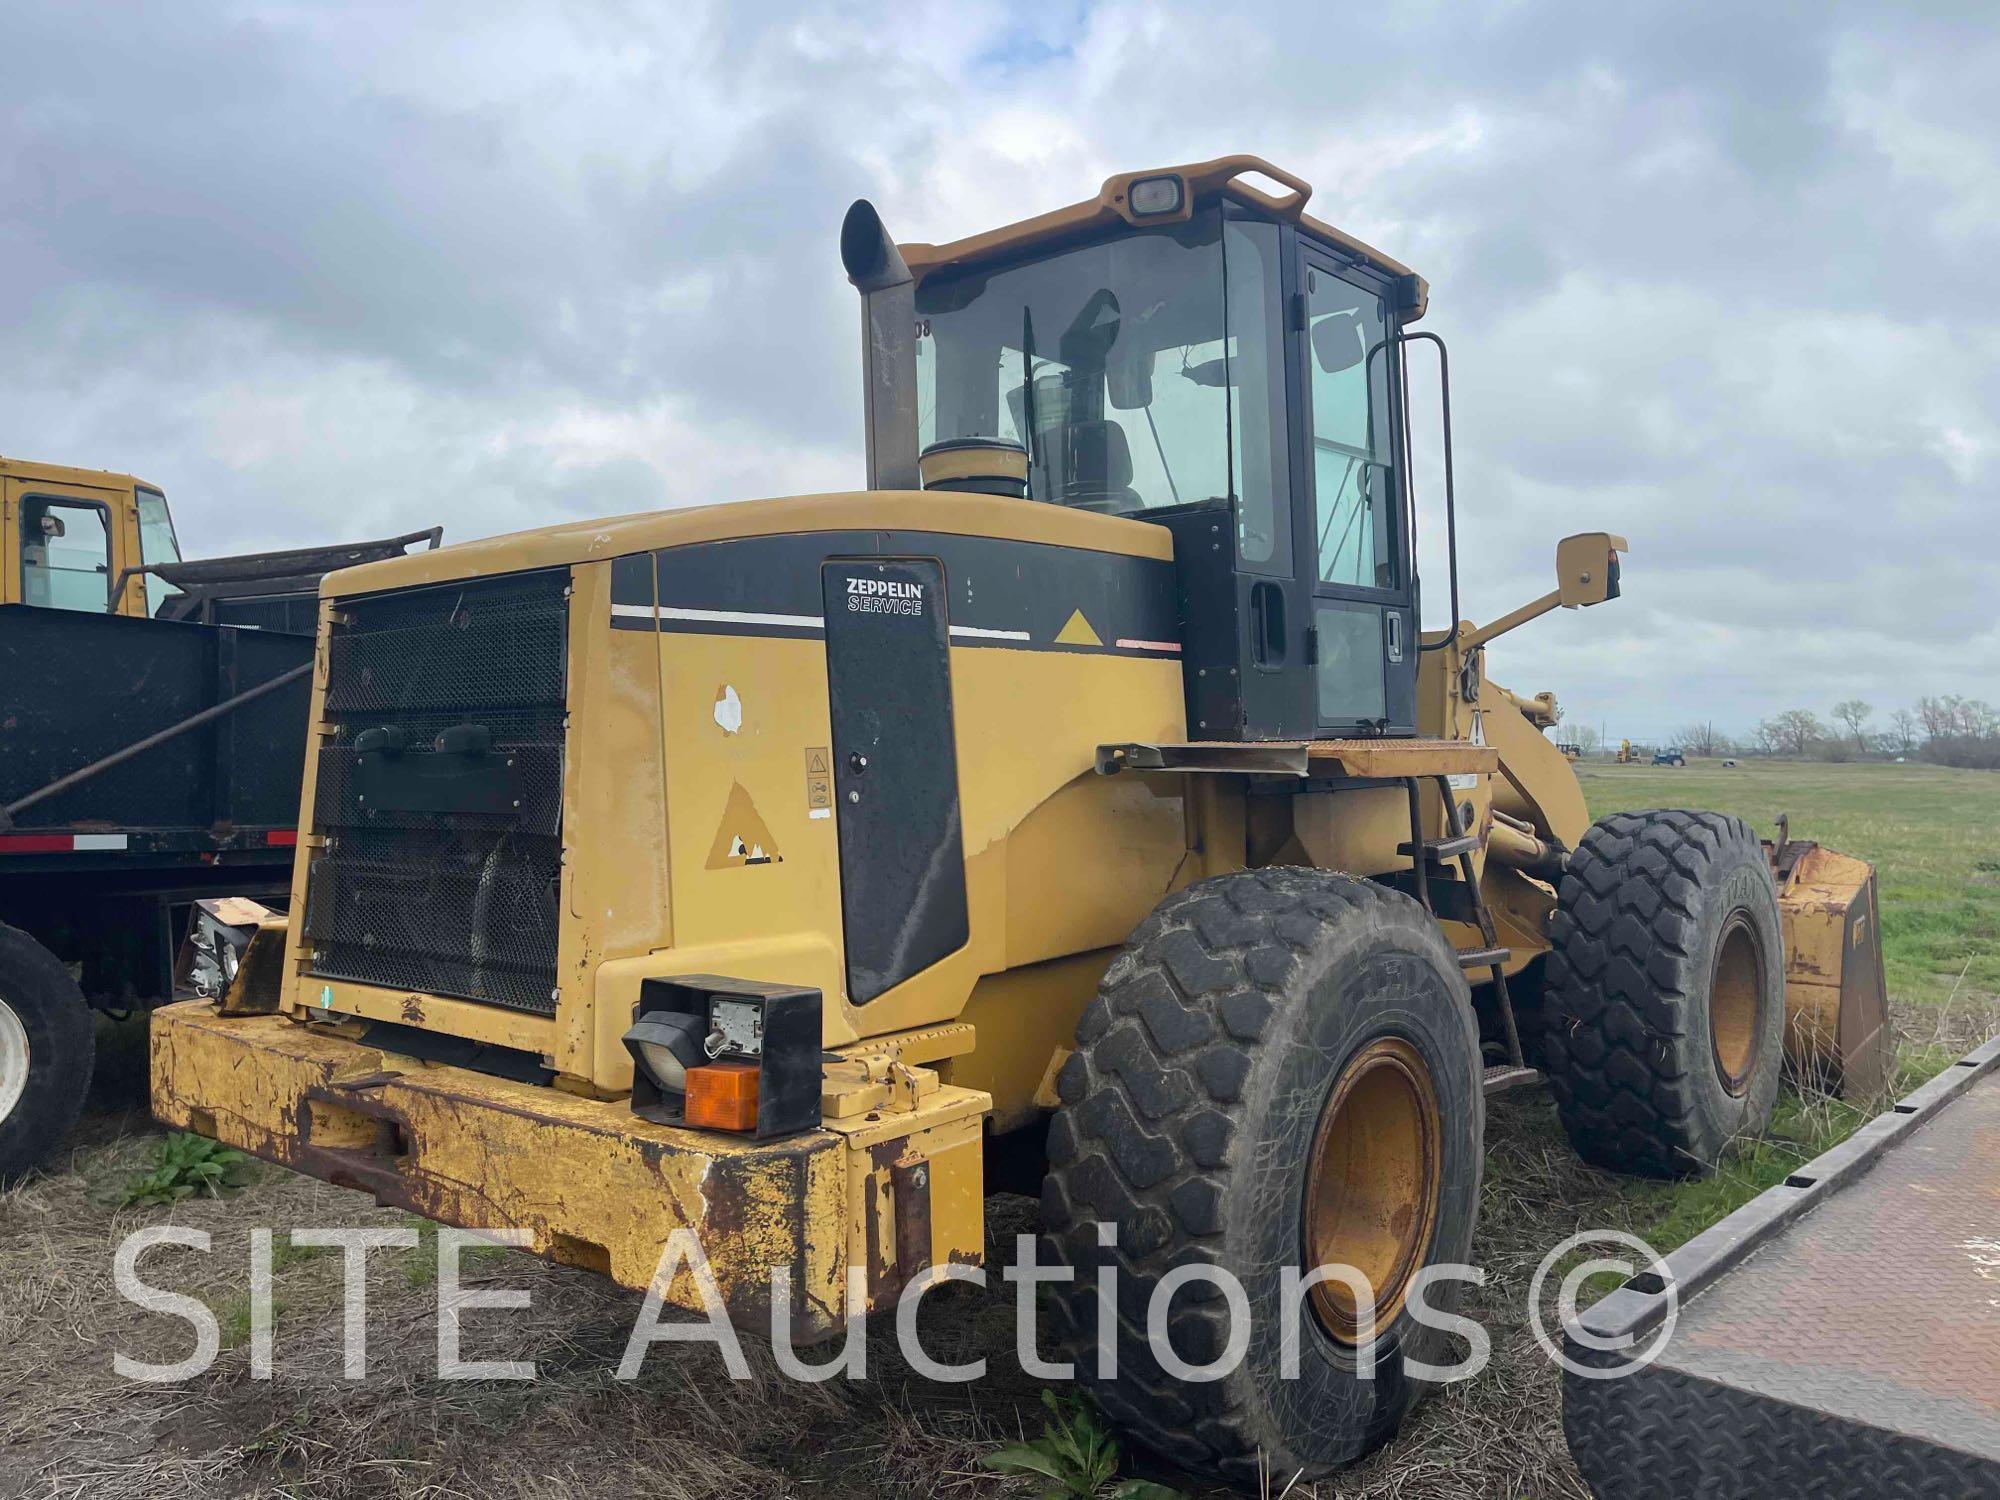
69, 1426
1933, 833
1934, 837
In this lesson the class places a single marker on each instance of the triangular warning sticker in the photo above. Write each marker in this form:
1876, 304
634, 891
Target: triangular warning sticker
743, 838
1078, 632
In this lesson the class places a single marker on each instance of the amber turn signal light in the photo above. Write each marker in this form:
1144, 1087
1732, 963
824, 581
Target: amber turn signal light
722, 1096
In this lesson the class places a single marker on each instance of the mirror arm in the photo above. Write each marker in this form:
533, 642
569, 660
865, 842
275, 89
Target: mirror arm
1533, 610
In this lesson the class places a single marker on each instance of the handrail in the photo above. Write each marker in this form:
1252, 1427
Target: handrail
1450, 493
139, 747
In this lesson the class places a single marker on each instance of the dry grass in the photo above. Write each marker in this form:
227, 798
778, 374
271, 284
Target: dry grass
69, 1426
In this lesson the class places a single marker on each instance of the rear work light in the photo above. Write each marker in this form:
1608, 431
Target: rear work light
726, 1054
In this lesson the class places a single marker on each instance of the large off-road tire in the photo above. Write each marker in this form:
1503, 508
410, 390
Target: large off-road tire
1664, 1012
48, 1047
1280, 1071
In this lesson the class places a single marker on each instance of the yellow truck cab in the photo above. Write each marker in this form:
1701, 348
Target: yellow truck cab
69, 536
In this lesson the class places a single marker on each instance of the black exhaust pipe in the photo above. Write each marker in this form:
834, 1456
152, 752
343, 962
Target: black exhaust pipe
888, 346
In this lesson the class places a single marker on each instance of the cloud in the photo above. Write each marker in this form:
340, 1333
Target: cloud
1719, 279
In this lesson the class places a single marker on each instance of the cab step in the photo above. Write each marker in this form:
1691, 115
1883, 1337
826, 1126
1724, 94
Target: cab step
1483, 958
1498, 1079
1438, 851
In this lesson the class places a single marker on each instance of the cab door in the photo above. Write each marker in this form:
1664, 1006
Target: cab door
1356, 556
66, 544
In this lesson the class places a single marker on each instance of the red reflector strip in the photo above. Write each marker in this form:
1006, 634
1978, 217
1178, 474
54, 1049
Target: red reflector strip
281, 838
59, 843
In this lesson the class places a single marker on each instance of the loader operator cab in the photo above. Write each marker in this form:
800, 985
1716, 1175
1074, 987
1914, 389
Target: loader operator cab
73, 539
1193, 352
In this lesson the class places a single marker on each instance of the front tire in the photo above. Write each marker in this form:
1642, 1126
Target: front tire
48, 1049
1280, 1071
1664, 1010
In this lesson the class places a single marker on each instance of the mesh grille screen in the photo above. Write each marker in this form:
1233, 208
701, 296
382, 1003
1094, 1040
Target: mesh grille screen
460, 903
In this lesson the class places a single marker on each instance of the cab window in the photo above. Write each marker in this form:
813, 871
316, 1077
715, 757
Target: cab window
65, 554
157, 544
1142, 372
1353, 478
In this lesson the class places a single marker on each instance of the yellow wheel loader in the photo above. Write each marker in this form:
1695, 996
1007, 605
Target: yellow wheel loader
761, 870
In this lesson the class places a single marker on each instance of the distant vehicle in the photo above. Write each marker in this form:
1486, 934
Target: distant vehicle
1669, 758
1571, 752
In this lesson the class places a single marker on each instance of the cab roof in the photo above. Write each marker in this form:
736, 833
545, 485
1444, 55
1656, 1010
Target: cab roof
1201, 183
103, 479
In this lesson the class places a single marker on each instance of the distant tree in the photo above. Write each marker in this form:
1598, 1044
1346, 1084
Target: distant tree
1586, 738
1960, 731
1702, 738
1793, 732
1855, 714
1902, 733
1935, 715
1954, 716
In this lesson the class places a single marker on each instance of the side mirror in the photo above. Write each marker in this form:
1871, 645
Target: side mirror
1337, 342
1587, 568
1586, 573
52, 527
1128, 381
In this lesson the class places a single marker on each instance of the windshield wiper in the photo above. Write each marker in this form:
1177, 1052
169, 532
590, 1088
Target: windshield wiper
1165, 467
1028, 385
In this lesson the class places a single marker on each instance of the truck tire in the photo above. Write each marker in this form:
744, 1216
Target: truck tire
1664, 1010
1281, 1070
48, 1047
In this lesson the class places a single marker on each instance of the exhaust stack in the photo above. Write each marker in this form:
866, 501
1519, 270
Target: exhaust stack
888, 346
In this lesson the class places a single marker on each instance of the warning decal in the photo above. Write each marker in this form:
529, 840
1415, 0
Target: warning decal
1077, 631
819, 782
743, 837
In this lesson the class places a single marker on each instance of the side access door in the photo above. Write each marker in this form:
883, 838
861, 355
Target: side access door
65, 545
1353, 523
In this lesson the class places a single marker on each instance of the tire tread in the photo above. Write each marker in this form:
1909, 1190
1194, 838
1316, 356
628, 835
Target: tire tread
1617, 1009
1175, 1023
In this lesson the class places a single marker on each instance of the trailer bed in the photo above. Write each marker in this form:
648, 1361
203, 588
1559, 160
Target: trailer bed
1839, 1335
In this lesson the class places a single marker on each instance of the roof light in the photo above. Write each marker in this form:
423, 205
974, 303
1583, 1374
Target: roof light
1157, 195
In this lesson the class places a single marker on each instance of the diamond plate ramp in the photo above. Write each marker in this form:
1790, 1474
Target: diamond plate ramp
1838, 1336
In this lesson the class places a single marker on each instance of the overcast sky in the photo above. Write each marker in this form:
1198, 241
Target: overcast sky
1723, 278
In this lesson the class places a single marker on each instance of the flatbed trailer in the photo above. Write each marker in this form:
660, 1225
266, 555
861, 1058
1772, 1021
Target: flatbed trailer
1837, 1336
98, 852
152, 741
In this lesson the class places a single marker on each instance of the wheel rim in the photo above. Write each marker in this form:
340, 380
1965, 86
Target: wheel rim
1372, 1183
13, 1059
1736, 1004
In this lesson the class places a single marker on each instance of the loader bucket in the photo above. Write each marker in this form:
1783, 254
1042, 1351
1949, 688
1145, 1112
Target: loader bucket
1837, 1033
